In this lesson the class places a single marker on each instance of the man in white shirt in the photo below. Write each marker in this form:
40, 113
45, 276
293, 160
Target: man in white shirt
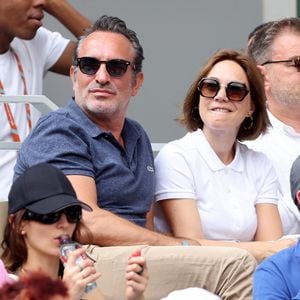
27, 52
276, 49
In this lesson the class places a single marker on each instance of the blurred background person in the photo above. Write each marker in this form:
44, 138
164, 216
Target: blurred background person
34, 286
276, 50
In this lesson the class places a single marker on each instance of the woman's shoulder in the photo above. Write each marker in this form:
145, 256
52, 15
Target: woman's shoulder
256, 162
185, 143
252, 154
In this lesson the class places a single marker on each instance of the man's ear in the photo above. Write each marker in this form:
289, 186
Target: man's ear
72, 73
264, 73
139, 79
73, 76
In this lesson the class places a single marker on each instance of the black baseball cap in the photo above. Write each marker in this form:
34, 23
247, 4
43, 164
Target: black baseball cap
43, 189
295, 178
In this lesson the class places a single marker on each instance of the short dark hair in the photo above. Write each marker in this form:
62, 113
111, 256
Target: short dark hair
258, 29
116, 25
260, 117
260, 45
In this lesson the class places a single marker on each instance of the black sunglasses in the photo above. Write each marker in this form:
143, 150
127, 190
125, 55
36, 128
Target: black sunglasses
295, 62
114, 67
235, 91
73, 215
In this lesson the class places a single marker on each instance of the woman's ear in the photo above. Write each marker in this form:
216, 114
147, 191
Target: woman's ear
21, 228
11, 219
252, 109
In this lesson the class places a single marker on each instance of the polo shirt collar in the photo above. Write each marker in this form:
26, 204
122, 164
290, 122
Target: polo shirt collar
130, 132
277, 124
211, 158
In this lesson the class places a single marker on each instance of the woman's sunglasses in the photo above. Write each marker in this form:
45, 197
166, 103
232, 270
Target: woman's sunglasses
114, 67
73, 215
235, 91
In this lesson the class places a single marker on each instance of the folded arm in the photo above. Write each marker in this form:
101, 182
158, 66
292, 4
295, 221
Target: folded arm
109, 229
184, 220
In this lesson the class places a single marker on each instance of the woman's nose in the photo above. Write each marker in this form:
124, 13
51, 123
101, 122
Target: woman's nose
62, 221
221, 95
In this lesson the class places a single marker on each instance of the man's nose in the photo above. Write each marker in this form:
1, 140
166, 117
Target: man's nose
102, 76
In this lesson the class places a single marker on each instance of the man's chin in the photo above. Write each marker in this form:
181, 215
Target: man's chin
28, 34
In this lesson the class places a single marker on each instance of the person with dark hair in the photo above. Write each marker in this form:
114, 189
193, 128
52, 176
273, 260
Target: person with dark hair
109, 160
34, 286
278, 277
43, 209
276, 49
27, 52
208, 175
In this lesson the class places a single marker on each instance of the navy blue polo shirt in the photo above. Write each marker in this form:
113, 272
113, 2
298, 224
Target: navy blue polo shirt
124, 177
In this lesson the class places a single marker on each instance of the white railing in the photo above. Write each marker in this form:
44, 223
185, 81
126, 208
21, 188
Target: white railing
40, 102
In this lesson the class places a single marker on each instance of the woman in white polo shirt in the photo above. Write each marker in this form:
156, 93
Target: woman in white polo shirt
211, 187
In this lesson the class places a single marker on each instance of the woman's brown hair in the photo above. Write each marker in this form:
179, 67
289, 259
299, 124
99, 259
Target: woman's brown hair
13, 244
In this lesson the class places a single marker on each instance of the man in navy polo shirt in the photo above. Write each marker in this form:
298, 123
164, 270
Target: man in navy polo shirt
108, 158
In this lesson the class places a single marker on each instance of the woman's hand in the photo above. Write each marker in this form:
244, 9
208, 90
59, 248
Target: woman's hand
136, 276
77, 276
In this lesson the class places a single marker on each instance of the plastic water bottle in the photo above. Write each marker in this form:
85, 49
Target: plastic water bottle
67, 245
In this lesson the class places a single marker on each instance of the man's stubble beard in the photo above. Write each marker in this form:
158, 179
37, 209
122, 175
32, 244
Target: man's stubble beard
285, 93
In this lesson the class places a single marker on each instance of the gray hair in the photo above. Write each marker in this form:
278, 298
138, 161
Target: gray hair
116, 25
261, 40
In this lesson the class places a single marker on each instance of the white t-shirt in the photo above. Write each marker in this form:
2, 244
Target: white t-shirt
193, 293
36, 56
281, 144
226, 195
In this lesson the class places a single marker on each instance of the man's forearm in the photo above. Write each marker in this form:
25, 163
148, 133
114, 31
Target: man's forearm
66, 14
110, 230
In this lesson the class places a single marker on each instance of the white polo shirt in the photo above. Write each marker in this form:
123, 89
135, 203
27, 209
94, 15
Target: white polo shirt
281, 144
226, 195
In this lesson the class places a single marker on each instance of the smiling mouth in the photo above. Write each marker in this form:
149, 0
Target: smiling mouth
219, 109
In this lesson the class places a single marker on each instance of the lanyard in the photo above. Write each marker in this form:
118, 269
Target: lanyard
11, 120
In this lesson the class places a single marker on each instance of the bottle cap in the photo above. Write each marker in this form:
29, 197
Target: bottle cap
64, 239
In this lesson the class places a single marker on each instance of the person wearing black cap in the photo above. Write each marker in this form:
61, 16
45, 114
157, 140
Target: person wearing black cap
43, 207
278, 277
